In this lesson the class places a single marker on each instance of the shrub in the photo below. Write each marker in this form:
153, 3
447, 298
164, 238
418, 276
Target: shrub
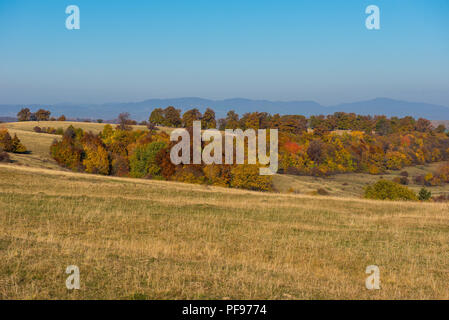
37, 129
191, 173
389, 190
143, 160
218, 175
441, 198
374, 170
322, 192
9, 144
404, 181
401, 180
4, 157
247, 177
67, 154
6, 141
404, 173
419, 180
443, 172
424, 194
119, 166
164, 162
18, 147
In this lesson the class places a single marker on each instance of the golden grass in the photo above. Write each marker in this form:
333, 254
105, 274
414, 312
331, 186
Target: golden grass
352, 184
39, 143
134, 238
87, 126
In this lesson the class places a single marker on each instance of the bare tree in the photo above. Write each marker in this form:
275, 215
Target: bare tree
123, 121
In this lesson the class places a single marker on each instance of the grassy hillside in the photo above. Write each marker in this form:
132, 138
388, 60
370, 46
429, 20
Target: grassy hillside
137, 238
39, 143
341, 185
149, 239
29, 125
352, 184
86, 126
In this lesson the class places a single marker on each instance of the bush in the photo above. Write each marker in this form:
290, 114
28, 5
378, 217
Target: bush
443, 172
143, 160
389, 190
441, 198
322, 192
9, 144
37, 129
67, 154
424, 194
119, 166
404, 173
401, 180
419, 180
247, 177
4, 157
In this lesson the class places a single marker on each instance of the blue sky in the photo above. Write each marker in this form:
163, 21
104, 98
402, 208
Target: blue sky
279, 50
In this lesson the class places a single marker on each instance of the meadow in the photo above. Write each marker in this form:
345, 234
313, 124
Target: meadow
146, 239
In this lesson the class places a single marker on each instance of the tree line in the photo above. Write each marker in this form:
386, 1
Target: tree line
321, 124
124, 152
25, 114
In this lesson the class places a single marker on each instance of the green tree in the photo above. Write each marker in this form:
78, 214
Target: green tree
24, 115
440, 129
389, 190
424, 194
157, 117
252, 121
232, 120
189, 116
172, 117
208, 120
142, 162
42, 115
383, 126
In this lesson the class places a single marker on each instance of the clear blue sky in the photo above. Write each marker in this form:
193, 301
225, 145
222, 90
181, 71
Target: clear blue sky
279, 50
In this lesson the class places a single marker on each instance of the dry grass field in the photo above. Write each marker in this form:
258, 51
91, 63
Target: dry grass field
144, 239
352, 184
137, 239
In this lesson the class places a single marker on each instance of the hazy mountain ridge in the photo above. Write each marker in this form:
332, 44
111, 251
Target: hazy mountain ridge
141, 110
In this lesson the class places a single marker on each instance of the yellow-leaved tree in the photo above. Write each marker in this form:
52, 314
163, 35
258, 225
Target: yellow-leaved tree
97, 160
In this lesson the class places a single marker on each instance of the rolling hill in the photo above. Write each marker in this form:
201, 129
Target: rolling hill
141, 110
149, 239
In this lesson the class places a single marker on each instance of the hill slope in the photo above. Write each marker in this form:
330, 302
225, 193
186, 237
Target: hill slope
141, 110
160, 240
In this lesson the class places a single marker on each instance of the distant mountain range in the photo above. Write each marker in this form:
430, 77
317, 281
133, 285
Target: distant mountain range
141, 110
